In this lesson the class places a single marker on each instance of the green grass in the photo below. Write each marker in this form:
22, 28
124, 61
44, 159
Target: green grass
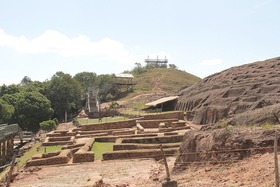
169, 80
33, 151
86, 121
101, 147
134, 112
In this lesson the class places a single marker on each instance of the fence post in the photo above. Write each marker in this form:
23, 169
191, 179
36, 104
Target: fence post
11, 170
165, 164
167, 182
276, 159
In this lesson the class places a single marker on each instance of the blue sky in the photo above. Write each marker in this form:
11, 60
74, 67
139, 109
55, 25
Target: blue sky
202, 37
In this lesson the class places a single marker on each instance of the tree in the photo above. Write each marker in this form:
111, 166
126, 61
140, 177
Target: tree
31, 108
6, 112
86, 79
65, 94
106, 86
25, 81
36, 86
11, 89
138, 69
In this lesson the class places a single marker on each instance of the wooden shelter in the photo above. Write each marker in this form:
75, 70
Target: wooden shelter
163, 104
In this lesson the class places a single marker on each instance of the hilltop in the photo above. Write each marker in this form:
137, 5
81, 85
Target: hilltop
167, 80
156, 83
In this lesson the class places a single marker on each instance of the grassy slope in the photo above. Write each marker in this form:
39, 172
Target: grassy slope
169, 80
33, 151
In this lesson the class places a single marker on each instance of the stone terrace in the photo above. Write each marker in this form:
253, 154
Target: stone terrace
134, 138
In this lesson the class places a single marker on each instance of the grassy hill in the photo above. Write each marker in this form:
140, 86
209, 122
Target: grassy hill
164, 79
154, 84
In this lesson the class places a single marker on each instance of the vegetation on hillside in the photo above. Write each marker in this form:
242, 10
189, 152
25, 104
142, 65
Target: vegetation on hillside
62, 97
169, 80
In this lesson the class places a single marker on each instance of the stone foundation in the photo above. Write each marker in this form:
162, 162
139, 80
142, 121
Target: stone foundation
62, 158
130, 146
154, 140
155, 122
168, 115
112, 125
84, 154
144, 153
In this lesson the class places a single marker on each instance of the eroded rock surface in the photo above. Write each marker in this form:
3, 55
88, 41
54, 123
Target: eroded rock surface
233, 91
223, 145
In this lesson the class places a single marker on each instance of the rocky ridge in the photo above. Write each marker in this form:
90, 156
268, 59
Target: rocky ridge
233, 91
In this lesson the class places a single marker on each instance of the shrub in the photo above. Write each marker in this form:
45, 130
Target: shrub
56, 121
109, 97
48, 125
114, 105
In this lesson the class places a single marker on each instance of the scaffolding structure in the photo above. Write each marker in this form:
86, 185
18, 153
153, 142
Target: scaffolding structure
157, 62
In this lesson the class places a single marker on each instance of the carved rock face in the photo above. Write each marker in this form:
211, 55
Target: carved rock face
232, 91
215, 145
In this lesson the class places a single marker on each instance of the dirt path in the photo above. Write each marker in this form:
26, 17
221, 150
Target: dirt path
132, 173
257, 170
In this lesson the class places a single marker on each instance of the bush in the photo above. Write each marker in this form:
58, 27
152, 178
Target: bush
109, 97
56, 121
48, 125
114, 105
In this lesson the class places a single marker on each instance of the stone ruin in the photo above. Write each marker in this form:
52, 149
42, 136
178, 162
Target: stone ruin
232, 92
134, 138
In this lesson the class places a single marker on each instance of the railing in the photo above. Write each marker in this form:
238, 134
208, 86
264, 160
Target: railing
6, 130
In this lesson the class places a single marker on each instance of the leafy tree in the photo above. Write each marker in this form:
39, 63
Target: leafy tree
138, 69
48, 125
65, 93
25, 81
11, 89
31, 108
11, 99
6, 112
106, 86
86, 79
36, 86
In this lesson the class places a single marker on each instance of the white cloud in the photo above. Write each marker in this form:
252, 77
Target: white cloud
52, 41
211, 62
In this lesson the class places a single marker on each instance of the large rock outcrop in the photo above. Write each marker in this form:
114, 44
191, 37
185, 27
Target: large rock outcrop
223, 145
233, 91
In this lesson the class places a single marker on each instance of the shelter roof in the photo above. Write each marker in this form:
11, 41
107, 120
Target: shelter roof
162, 100
124, 75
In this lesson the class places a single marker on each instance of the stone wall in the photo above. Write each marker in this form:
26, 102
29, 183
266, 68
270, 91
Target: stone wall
84, 154
62, 158
168, 115
144, 153
111, 125
114, 138
155, 123
63, 138
131, 146
154, 140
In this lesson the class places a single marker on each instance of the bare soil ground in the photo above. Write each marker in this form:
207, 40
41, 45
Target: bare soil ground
254, 171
